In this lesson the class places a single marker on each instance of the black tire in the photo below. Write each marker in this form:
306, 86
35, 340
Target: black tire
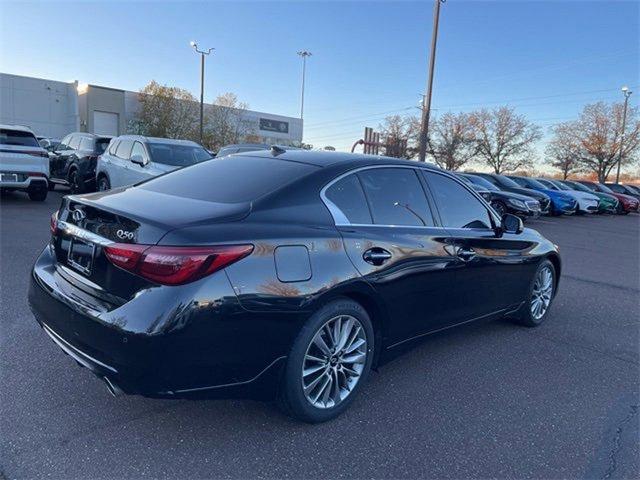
75, 182
525, 315
103, 184
38, 195
291, 396
500, 207
52, 186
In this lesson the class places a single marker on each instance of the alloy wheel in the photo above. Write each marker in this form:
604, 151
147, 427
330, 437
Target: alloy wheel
542, 293
334, 361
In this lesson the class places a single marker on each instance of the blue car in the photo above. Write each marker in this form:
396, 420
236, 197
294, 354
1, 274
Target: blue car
561, 203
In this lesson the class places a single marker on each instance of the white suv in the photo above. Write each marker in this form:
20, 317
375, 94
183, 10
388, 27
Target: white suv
131, 159
24, 164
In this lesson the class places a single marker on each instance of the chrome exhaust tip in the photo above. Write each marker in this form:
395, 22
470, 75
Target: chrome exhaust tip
113, 388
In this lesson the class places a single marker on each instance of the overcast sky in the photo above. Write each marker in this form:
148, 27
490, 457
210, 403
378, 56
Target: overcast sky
369, 60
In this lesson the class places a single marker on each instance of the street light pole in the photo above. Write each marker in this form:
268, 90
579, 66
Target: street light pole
202, 54
627, 93
304, 54
426, 102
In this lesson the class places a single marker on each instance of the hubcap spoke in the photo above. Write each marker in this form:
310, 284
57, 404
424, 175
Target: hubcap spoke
542, 293
334, 361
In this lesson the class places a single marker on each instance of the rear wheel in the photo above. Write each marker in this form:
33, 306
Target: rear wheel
103, 183
540, 296
75, 184
38, 195
328, 363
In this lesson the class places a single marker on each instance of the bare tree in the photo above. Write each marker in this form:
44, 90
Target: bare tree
504, 139
168, 112
451, 140
226, 123
401, 135
562, 151
595, 136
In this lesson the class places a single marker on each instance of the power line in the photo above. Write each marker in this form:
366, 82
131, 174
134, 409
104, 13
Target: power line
443, 107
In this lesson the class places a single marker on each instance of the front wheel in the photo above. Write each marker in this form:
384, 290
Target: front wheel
103, 184
540, 295
328, 363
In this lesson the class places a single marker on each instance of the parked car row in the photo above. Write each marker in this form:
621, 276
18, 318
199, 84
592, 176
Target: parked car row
530, 197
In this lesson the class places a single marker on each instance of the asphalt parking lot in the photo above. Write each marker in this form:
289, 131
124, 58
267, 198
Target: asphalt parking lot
486, 400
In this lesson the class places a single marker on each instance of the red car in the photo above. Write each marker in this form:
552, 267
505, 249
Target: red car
626, 203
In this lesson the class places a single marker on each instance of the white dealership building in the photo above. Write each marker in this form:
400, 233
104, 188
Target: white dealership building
53, 109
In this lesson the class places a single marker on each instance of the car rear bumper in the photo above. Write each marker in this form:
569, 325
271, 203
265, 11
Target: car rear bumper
24, 181
203, 349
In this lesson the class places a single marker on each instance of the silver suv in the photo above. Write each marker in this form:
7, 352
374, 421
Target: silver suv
24, 164
131, 159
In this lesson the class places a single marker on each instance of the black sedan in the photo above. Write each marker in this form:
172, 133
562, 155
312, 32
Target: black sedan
506, 202
505, 184
279, 274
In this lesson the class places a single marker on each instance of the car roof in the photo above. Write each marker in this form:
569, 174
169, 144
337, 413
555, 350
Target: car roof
169, 141
327, 158
20, 128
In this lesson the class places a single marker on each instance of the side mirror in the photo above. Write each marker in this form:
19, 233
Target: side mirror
511, 224
138, 159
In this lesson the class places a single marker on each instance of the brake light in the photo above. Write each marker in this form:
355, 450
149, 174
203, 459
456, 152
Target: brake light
35, 174
53, 223
174, 265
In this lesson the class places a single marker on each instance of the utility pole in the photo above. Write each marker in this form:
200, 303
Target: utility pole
304, 54
426, 103
627, 93
202, 54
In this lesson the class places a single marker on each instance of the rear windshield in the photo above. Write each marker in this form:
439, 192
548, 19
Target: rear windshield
230, 179
177, 155
18, 137
102, 144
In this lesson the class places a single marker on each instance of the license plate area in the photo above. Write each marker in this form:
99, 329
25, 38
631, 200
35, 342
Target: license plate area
81, 255
8, 177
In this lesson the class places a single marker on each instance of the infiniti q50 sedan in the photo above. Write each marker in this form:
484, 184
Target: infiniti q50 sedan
274, 274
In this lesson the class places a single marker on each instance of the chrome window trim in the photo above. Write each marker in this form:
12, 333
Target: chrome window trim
83, 234
340, 219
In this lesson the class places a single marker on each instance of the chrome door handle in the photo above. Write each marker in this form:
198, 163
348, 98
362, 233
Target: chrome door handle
376, 256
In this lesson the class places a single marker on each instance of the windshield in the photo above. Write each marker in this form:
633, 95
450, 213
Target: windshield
604, 188
482, 182
507, 182
177, 155
560, 185
547, 184
578, 186
18, 137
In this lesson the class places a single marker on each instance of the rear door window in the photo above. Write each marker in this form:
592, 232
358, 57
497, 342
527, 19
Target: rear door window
396, 197
229, 179
347, 202
18, 137
86, 144
74, 143
458, 207
124, 149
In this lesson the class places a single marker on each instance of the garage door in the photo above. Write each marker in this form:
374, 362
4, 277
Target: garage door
105, 123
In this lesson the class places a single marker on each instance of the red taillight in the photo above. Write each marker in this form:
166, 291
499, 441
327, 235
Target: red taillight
53, 223
35, 174
174, 265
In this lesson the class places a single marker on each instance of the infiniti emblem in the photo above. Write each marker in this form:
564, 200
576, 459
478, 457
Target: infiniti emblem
78, 215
